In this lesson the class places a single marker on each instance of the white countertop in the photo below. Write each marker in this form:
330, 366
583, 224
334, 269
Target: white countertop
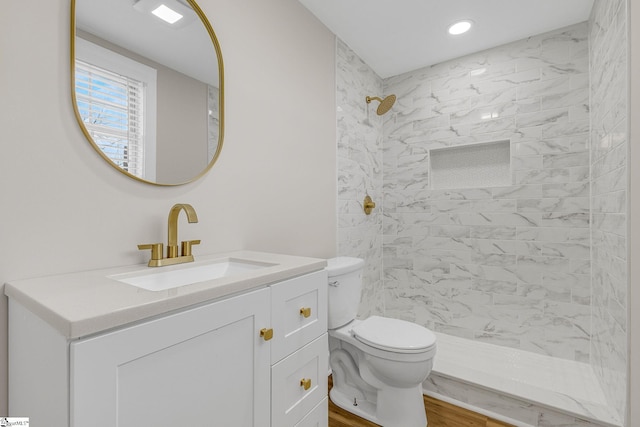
84, 303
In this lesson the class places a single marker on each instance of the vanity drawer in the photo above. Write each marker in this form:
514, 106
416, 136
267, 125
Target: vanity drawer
298, 313
318, 417
299, 383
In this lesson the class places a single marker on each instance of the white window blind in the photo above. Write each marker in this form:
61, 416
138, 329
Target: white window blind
112, 109
116, 97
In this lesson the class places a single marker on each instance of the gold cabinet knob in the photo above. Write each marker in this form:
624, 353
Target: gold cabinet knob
368, 205
266, 334
305, 383
305, 311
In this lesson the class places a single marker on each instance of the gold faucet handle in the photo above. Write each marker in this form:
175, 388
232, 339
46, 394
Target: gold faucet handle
186, 246
156, 249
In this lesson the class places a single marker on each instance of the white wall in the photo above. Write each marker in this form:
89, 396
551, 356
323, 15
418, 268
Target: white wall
273, 188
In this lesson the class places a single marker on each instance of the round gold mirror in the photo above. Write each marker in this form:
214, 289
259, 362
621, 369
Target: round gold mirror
147, 86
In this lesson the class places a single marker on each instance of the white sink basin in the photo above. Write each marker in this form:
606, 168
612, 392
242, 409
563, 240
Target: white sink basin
162, 278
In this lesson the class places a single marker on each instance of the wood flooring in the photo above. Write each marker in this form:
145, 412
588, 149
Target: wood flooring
439, 414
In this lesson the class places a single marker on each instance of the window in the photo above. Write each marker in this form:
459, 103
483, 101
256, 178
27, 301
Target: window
116, 102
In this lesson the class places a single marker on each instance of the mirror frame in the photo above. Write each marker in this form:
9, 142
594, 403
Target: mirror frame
214, 40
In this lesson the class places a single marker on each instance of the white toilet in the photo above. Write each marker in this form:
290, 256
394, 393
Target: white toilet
378, 363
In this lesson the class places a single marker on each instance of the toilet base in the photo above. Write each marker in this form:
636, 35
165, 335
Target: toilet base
363, 409
356, 375
405, 407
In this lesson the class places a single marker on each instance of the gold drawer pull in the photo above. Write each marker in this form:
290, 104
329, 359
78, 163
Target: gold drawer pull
305, 311
266, 334
306, 383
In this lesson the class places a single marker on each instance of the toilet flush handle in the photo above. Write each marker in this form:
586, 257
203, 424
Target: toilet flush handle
335, 283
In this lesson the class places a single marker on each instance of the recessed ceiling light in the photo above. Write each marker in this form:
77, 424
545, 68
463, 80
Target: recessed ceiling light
460, 27
172, 12
167, 14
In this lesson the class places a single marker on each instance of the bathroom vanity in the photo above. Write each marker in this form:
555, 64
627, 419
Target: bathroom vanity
247, 348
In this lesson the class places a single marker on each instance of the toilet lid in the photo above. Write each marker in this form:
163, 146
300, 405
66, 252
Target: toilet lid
394, 335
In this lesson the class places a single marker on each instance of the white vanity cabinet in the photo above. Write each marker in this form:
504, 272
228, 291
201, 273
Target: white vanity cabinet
299, 351
205, 365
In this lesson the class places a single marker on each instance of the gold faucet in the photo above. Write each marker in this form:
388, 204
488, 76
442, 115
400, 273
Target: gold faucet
172, 243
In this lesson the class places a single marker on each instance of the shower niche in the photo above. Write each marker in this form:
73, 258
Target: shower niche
486, 164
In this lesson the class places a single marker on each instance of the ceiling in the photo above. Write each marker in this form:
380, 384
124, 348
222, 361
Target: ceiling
185, 48
396, 36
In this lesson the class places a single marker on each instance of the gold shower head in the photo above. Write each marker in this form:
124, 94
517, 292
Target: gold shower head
385, 104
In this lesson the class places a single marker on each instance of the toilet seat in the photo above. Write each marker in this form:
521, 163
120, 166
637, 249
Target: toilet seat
394, 335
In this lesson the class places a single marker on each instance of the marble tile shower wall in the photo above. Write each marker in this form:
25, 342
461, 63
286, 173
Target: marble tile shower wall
213, 121
609, 147
359, 134
508, 265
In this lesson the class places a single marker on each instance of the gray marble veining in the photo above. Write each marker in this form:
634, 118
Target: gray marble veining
360, 166
536, 264
533, 93
609, 145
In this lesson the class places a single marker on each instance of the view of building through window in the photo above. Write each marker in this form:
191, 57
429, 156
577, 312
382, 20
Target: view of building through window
112, 109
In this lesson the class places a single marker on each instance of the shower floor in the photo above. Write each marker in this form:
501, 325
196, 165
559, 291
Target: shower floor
564, 386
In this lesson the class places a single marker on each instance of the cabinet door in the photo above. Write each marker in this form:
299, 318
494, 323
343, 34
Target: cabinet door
299, 313
207, 366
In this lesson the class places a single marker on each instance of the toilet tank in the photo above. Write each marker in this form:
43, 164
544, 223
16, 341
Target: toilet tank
345, 286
